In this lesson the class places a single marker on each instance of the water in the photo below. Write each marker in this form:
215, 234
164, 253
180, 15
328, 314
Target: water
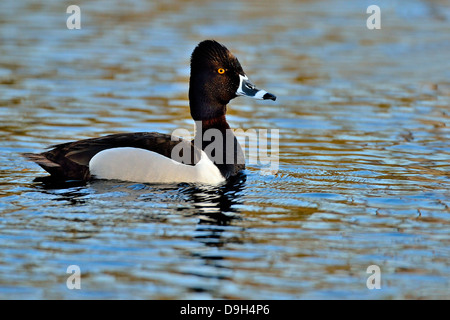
364, 152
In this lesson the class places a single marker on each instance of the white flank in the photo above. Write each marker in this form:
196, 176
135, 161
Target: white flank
140, 165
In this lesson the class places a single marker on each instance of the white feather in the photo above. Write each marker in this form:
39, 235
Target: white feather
140, 165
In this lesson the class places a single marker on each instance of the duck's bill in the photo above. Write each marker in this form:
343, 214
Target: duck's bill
248, 89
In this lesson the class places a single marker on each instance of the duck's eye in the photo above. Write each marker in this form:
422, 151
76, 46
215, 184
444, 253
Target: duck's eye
221, 70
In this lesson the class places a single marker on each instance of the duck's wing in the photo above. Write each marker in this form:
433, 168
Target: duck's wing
71, 160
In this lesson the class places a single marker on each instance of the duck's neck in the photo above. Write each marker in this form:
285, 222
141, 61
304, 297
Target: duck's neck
215, 137
219, 122
210, 127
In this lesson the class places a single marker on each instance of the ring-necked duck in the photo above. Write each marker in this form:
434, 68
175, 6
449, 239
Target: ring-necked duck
216, 78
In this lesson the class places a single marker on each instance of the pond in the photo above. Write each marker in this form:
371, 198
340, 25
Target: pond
364, 155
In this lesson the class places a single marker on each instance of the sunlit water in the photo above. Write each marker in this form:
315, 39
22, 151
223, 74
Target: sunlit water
364, 165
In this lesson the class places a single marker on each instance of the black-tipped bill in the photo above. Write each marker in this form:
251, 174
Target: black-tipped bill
248, 89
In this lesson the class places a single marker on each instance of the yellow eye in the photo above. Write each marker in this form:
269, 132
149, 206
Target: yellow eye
221, 70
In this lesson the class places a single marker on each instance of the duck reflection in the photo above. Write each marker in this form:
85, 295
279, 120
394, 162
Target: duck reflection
213, 205
217, 205
216, 208
128, 204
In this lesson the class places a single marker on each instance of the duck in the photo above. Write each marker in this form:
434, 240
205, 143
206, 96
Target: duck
216, 77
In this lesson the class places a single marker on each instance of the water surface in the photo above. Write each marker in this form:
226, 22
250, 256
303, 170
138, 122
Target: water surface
364, 152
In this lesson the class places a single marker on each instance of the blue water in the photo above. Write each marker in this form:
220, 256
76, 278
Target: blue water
364, 156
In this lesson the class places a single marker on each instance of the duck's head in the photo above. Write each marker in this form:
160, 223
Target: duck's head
216, 78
